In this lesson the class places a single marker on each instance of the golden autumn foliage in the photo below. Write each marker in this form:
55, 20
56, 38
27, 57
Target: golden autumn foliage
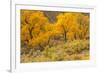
65, 38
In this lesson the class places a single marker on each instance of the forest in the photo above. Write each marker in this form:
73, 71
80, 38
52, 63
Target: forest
48, 36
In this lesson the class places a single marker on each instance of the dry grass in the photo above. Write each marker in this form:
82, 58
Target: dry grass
73, 50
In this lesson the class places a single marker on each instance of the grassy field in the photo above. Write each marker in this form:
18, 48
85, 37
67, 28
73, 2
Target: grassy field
72, 50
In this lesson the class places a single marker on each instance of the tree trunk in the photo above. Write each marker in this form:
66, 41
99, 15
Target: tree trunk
41, 47
65, 39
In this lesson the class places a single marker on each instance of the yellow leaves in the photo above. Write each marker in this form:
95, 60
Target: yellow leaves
66, 22
41, 39
25, 33
37, 17
86, 19
63, 38
70, 35
37, 25
49, 27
